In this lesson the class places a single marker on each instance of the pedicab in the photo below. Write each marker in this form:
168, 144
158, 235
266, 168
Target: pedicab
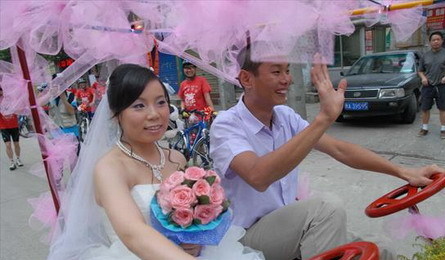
401, 198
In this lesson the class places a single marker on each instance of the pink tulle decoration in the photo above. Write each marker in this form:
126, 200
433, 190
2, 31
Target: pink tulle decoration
15, 94
9, 11
425, 226
15, 88
59, 151
403, 22
97, 31
102, 28
303, 187
67, 77
290, 31
44, 215
38, 67
6, 67
41, 21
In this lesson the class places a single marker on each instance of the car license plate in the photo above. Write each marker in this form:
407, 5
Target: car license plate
356, 106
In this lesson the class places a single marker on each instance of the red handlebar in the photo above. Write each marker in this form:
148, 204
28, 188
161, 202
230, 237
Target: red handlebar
389, 203
366, 251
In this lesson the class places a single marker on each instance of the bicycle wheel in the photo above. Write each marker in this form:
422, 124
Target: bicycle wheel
83, 129
200, 155
23, 131
178, 143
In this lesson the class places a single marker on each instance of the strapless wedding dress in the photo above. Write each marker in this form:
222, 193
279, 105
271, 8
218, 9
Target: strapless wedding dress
228, 249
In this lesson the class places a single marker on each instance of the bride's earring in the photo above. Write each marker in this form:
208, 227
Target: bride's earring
119, 132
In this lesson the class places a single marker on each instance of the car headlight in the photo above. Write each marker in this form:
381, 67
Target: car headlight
392, 93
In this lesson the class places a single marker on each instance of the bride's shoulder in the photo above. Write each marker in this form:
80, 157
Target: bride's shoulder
109, 163
176, 157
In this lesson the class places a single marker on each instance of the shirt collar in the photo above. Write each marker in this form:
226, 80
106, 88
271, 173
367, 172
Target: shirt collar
250, 120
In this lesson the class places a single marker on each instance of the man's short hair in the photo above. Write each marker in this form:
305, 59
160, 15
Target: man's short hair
436, 33
245, 62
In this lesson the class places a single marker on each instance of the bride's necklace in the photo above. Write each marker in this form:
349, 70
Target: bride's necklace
156, 169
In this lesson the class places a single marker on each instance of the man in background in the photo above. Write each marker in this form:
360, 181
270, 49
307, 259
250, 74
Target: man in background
86, 97
194, 90
432, 73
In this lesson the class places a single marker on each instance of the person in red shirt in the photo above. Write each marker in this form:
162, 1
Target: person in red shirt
100, 90
194, 90
86, 96
9, 128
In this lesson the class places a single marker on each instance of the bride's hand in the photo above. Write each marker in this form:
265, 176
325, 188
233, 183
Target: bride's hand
191, 249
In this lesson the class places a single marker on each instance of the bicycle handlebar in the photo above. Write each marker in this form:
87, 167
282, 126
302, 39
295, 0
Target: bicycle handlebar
199, 112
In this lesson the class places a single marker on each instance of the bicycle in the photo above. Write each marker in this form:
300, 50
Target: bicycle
25, 128
84, 123
194, 142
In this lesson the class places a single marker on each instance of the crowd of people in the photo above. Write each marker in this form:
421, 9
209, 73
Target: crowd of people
63, 110
66, 109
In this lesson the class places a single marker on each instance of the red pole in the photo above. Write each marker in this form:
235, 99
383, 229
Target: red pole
38, 126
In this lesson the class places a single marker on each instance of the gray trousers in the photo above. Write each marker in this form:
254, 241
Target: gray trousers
301, 230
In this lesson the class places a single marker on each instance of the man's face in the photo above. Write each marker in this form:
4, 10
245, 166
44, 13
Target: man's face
436, 42
271, 84
82, 85
190, 71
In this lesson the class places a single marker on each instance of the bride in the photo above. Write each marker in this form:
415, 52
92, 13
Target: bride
105, 211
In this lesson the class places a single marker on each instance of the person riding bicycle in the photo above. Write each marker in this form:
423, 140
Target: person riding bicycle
194, 90
85, 96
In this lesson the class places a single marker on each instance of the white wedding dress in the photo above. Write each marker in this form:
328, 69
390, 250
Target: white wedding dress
228, 249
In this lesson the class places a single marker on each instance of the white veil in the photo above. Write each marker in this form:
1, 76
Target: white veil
79, 224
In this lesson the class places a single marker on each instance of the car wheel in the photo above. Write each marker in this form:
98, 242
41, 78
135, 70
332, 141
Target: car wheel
409, 115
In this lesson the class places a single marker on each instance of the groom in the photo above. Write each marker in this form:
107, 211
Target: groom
256, 147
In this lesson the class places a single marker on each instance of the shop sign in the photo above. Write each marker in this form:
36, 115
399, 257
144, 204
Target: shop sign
436, 18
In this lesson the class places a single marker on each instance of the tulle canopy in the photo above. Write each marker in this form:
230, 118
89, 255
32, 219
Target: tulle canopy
211, 34
215, 31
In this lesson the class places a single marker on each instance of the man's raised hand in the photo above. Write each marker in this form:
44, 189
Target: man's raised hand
331, 100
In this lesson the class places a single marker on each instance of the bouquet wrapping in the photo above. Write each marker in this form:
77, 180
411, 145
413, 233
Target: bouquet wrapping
191, 207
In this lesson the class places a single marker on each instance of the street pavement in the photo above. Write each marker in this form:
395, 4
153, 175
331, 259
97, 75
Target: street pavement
353, 189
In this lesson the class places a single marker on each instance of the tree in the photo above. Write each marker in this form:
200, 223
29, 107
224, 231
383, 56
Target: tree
5, 55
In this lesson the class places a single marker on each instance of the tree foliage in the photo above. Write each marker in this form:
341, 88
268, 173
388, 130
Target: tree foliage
5, 55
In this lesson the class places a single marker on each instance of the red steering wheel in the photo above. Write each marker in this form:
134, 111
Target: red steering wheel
366, 251
389, 203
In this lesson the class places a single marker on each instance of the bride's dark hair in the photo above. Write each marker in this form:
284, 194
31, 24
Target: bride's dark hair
127, 82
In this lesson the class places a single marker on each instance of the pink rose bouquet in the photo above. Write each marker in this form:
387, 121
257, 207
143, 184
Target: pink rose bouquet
191, 207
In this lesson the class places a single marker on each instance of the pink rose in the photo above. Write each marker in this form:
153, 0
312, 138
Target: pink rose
182, 197
201, 188
183, 217
211, 173
172, 181
207, 213
194, 173
217, 195
164, 202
